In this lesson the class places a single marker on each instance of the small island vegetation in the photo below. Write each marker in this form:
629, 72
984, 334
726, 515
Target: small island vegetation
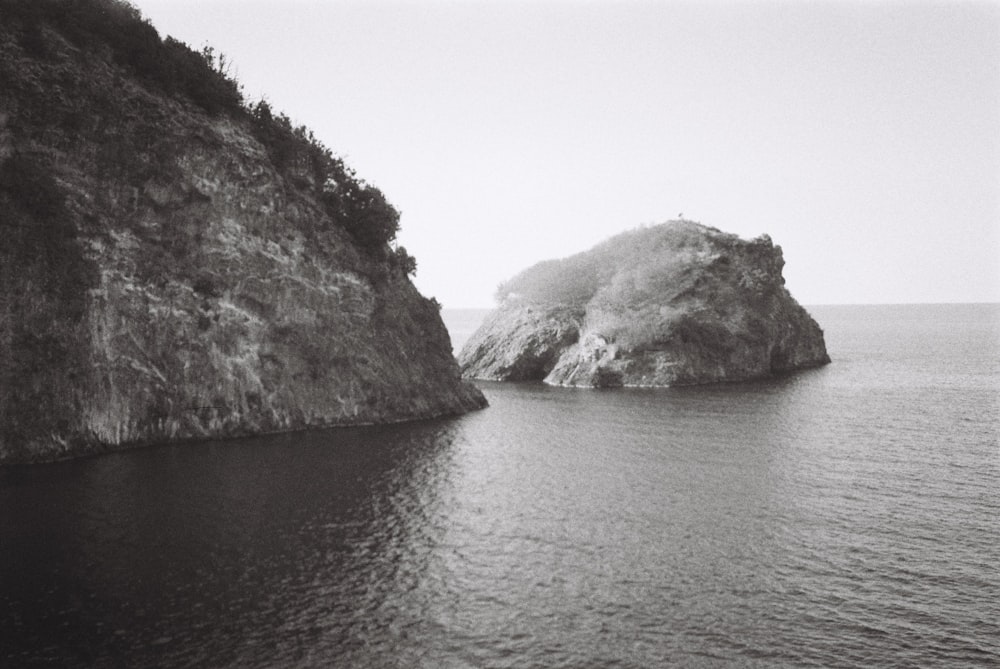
670, 304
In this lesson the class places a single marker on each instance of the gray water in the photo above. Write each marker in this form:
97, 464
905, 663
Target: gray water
847, 516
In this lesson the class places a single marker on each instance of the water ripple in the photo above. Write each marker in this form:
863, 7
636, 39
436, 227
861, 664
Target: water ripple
844, 517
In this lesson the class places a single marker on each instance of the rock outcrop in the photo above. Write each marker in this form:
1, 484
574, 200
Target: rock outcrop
674, 304
176, 266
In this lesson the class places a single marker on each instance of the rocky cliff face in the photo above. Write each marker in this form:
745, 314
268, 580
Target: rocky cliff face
674, 304
166, 275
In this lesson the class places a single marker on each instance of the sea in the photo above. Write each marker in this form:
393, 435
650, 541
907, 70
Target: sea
846, 516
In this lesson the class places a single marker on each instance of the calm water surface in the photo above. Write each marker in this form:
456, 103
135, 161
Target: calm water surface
842, 517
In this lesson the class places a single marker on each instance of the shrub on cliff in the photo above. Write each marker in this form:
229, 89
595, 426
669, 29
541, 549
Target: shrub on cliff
403, 261
363, 211
275, 132
359, 208
134, 43
117, 28
200, 76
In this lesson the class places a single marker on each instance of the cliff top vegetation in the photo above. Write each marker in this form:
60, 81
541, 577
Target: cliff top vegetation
648, 257
643, 286
115, 31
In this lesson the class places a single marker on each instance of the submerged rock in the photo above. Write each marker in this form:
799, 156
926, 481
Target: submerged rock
673, 304
177, 265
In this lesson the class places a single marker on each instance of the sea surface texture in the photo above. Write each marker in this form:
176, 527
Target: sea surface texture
846, 516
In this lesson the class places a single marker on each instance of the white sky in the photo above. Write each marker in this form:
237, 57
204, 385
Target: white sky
864, 137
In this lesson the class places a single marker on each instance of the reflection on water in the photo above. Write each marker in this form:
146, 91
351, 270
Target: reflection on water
827, 518
235, 552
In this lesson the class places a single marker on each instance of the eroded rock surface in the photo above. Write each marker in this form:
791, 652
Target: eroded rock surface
674, 304
167, 275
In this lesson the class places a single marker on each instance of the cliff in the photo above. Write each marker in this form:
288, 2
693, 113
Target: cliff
176, 264
674, 304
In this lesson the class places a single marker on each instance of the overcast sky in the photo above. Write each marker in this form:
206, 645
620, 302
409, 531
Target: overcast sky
864, 137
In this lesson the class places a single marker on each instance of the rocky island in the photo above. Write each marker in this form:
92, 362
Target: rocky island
673, 304
178, 263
